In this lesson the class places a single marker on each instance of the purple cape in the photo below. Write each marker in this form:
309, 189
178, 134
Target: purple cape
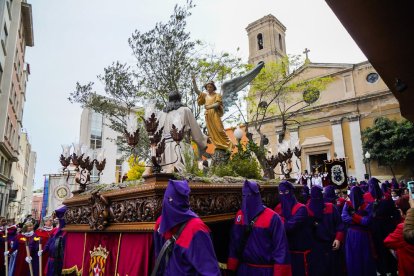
316, 203
252, 203
287, 198
175, 205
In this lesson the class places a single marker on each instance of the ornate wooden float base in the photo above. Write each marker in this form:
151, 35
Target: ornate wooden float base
121, 222
135, 209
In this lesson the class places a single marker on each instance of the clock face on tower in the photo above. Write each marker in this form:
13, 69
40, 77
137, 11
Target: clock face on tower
372, 77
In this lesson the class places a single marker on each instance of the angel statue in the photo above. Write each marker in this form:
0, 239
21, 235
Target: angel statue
215, 109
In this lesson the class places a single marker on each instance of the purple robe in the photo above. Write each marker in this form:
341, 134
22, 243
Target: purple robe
327, 226
305, 194
297, 226
193, 252
266, 250
385, 218
359, 246
56, 246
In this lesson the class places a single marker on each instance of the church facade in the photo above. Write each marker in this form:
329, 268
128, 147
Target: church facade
331, 127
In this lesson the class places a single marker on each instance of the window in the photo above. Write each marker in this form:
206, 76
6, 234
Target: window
1, 164
8, 10
11, 93
119, 141
96, 131
8, 126
260, 41
118, 170
372, 77
17, 108
4, 36
280, 42
1, 74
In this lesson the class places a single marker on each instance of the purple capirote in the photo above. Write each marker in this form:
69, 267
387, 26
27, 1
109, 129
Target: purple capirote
252, 203
60, 214
287, 198
374, 188
316, 203
329, 194
175, 205
356, 197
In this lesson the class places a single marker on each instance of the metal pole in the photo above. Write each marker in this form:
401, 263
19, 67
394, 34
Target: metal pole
369, 167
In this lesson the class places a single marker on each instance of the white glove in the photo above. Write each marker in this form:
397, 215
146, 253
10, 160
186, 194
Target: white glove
6, 253
28, 260
39, 253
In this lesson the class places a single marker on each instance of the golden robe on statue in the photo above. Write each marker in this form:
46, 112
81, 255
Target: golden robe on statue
215, 126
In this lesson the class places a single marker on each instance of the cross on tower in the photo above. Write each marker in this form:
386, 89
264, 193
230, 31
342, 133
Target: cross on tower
306, 53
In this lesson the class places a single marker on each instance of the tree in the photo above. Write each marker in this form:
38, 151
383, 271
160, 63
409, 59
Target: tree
389, 142
136, 169
166, 58
281, 95
122, 88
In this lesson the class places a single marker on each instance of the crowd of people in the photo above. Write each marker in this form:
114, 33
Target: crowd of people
31, 248
326, 231
365, 229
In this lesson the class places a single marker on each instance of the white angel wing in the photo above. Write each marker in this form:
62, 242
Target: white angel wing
230, 88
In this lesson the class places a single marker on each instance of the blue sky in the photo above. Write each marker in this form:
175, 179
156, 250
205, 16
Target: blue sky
75, 40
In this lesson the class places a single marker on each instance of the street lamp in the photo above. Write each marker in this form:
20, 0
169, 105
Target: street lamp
367, 157
238, 133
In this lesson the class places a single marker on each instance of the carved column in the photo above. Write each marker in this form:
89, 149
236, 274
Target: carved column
338, 137
356, 142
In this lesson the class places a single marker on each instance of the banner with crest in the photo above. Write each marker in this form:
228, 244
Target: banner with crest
336, 170
108, 254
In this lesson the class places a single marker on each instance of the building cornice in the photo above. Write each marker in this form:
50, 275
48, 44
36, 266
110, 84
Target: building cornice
336, 121
353, 117
265, 19
337, 104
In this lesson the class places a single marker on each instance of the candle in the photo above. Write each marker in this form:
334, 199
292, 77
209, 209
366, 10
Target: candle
40, 256
28, 255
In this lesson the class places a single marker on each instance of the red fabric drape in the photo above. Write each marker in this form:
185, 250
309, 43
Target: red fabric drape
136, 255
74, 250
110, 242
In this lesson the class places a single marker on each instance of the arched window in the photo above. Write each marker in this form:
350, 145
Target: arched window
280, 42
260, 41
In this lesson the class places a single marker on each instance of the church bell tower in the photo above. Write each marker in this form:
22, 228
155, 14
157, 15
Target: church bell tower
266, 40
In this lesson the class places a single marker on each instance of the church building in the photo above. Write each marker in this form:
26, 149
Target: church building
331, 127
